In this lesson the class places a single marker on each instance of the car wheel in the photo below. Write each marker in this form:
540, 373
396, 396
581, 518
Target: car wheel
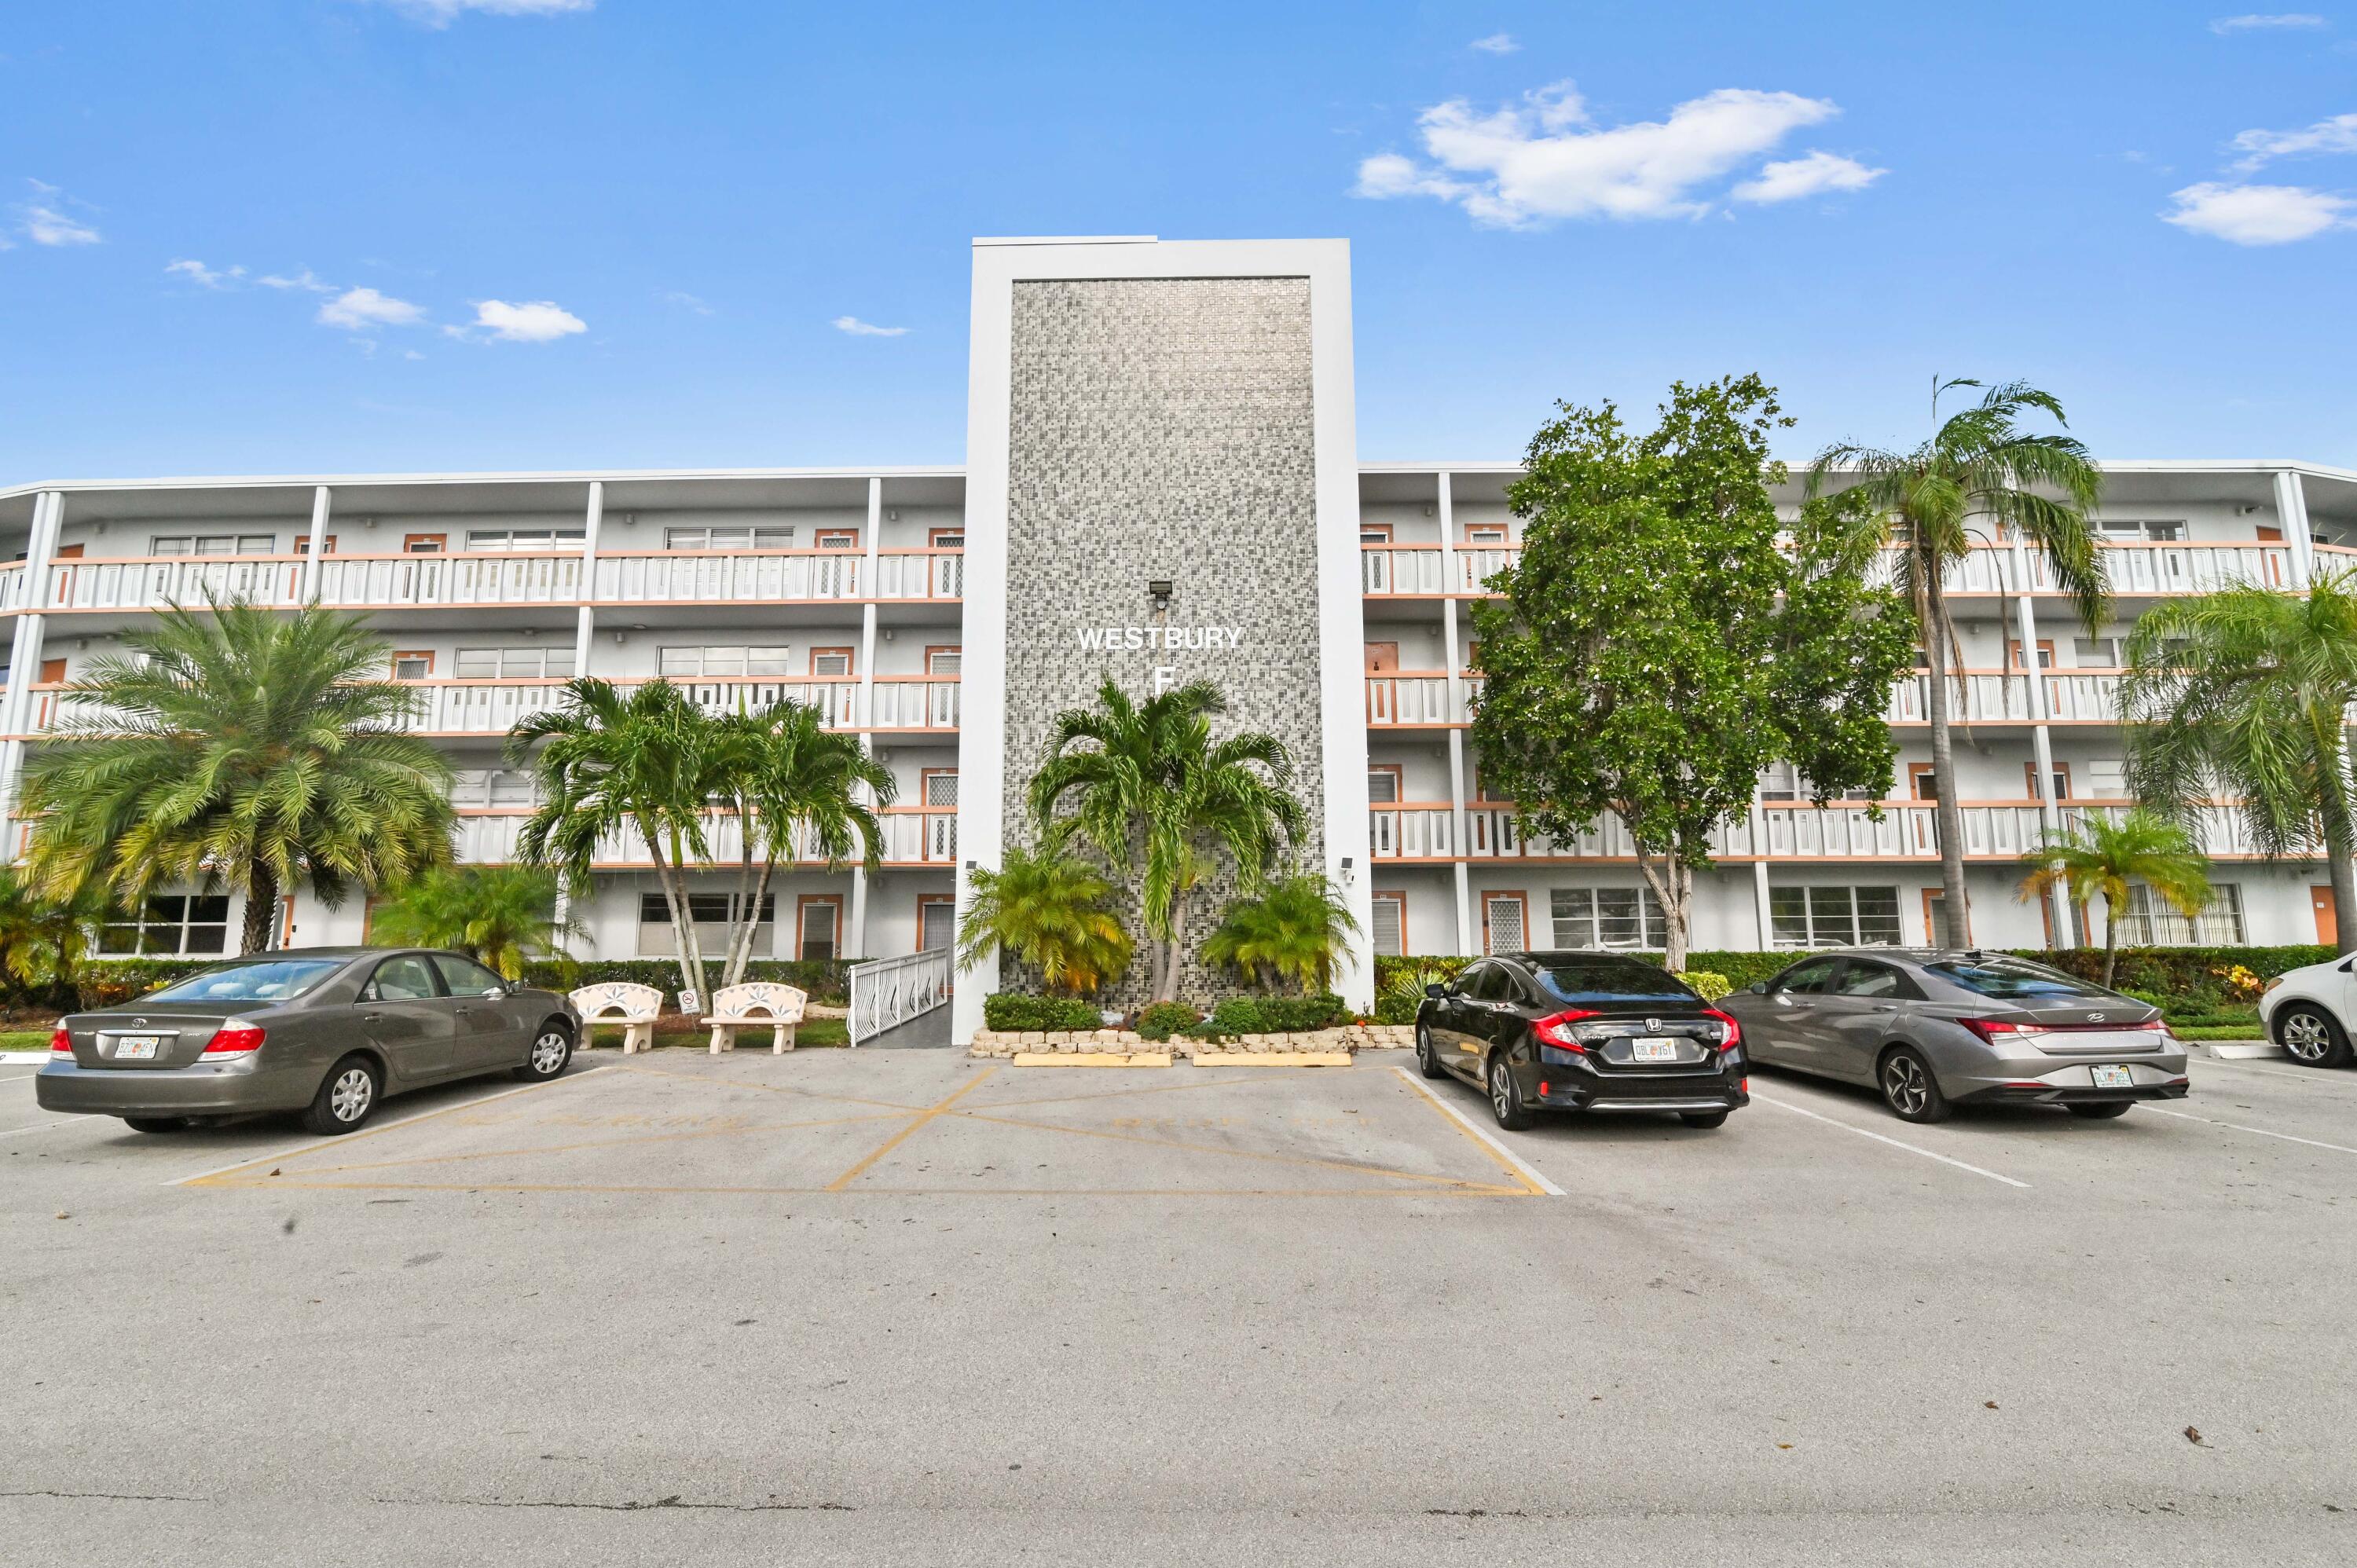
2100, 1110
1426, 1061
156, 1123
2310, 1037
1506, 1096
550, 1049
1910, 1087
1703, 1118
346, 1096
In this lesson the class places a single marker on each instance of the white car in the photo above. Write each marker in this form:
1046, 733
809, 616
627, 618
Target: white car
2309, 1012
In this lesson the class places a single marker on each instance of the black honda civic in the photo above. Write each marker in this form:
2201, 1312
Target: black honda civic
1582, 1031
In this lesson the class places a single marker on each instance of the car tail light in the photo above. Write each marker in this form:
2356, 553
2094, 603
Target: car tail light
234, 1040
1997, 1031
61, 1041
1734, 1036
1554, 1029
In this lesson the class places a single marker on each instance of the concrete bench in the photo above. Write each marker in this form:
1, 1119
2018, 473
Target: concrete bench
735, 1007
620, 1001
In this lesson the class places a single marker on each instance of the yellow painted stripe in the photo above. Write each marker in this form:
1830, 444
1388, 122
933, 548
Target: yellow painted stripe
905, 1133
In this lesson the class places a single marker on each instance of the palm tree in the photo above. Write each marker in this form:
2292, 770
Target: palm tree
1046, 908
1979, 464
1149, 774
2244, 695
43, 940
608, 763
497, 914
2100, 855
1297, 930
797, 787
244, 747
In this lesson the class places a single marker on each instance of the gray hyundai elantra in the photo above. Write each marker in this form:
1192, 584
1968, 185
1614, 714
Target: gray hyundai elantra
326, 1031
1934, 1029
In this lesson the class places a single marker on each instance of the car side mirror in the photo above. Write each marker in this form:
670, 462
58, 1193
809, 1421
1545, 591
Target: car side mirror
495, 992
1758, 988
1436, 991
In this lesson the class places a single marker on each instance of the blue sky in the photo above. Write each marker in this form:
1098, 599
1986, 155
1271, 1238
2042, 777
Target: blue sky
346, 235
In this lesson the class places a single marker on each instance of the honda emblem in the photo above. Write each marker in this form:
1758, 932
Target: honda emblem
1653, 1025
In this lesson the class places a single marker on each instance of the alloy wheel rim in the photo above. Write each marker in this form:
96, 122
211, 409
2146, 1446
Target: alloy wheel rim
548, 1052
2304, 1036
349, 1099
1501, 1094
1903, 1082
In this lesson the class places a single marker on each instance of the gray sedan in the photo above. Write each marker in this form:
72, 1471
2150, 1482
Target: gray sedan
326, 1031
1934, 1029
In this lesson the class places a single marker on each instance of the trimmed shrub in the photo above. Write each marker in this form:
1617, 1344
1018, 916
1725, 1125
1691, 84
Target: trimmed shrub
1160, 1020
1706, 983
1271, 1016
1010, 1013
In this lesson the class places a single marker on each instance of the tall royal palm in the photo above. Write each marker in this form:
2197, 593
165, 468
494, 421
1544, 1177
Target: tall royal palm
802, 791
2244, 695
1145, 781
609, 763
1979, 466
240, 748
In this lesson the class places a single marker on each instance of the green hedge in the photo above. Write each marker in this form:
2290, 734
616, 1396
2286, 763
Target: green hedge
102, 982
1271, 1016
1011, 1013
1160, 1020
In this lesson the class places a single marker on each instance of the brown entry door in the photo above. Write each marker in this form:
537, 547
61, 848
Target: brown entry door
1382, 658
2328, 916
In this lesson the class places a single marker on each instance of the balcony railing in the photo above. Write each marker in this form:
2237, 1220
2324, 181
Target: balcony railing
1414, 570
1416, 697
496, 578
1776, 830
912, 836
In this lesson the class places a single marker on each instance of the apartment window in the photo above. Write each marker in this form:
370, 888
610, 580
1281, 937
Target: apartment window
2107, 779
712, 913
1606, 917
2127, 531
837, 539
1486, 534
1390, 924
831, 661
1785, 782
2045, 654
553, 663
2151, 922
511, 539
748, 538
169, 925
423, 543
492, 786
2062, 780
697, 662
2096, 652
1383, 785
212, 544
941, 789
944, 660
1833, 917
412, 666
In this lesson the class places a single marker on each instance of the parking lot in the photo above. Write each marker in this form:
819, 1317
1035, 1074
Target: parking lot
899, 1306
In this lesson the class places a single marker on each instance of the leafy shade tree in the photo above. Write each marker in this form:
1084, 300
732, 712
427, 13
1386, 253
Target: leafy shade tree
798, 788
1145, 782
2106, 858
1295, 931
648, 762
1653, 650
242, 747
43, 940
1047, 909
2244, 695
1977, 466
498, 915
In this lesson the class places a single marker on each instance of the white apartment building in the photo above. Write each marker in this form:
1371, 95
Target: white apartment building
1234, 502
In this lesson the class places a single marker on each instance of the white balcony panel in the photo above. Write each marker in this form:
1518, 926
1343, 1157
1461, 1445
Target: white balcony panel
920, 575
753, 577
1407, 700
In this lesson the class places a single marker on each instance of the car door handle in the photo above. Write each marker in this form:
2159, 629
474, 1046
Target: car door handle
372, 1017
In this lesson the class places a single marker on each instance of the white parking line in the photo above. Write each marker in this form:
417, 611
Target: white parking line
2260, 1131
1529, 1172
1831, 1121
41, 1126
2320, 1078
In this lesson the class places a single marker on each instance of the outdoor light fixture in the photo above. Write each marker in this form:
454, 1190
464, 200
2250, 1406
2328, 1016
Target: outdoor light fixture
1346, 871
1158, 590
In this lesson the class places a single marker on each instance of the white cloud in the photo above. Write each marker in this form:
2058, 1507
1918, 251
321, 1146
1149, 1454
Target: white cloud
2259, 214
198, 273
302, 280
858, 328
535, 321
2337, 134
1495, 44
1545, 158
1811, 176
361, 309
685, 301
45, 221
2252, 22
442, 13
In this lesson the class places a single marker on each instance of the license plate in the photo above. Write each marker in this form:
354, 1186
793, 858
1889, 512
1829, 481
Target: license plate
1654, 1050
137, 1047
2114, 1078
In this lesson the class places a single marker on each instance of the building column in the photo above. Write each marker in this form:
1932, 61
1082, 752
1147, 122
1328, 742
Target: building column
1460, 711
2041, 743
2291, 514
1760, 906
855, 934
584, 620
25, 661
317, 544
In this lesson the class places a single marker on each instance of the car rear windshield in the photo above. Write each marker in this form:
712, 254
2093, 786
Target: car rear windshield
2013, 979
1585, 981
272, 980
